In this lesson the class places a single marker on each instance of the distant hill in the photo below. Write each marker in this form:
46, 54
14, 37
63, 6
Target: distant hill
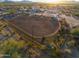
24, 1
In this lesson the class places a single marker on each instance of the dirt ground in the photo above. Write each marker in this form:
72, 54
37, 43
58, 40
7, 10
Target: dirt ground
38, 26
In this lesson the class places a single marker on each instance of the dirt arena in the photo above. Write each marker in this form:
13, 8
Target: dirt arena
38, 26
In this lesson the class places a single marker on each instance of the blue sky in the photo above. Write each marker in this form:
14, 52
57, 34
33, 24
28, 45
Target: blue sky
36, 0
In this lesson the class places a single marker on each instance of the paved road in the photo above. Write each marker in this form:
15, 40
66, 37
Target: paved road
75, 53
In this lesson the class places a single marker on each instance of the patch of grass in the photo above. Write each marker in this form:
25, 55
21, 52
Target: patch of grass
75, 31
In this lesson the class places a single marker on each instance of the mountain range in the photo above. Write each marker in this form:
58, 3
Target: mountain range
15, 1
